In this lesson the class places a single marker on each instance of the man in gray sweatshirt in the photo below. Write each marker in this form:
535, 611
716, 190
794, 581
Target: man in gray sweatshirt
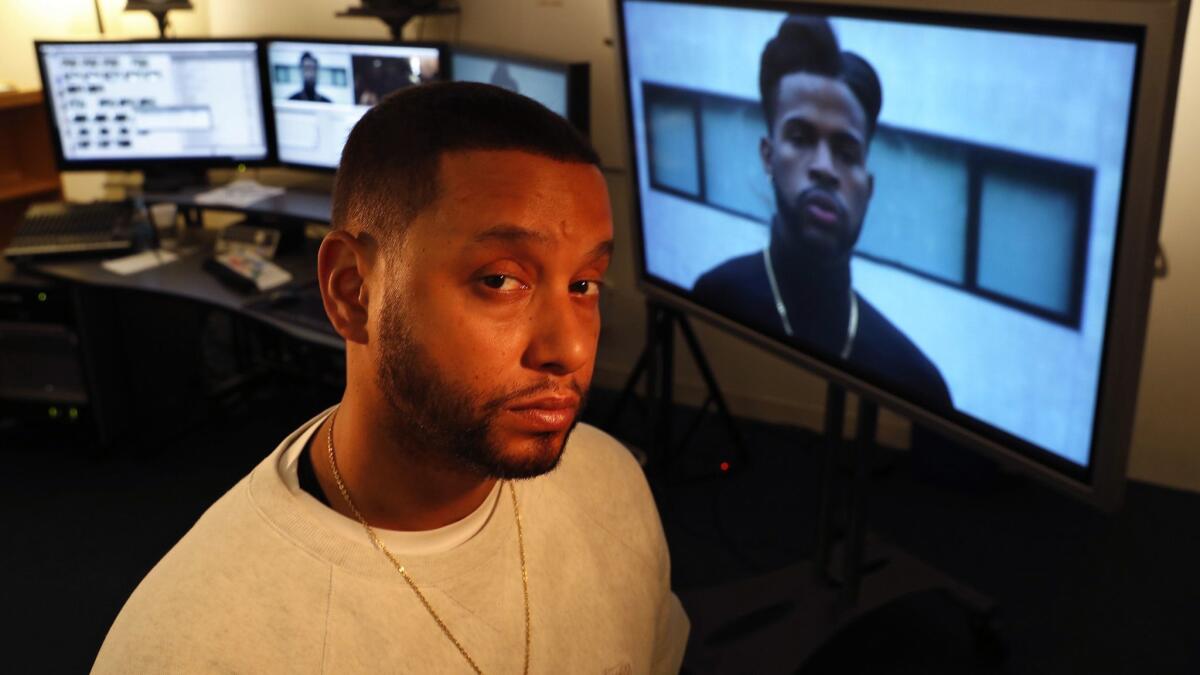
448, 515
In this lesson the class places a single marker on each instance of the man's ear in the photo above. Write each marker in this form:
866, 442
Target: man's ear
764, 152
343, 267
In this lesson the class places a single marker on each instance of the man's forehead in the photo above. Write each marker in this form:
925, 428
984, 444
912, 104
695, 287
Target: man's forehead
809, 93
507, 192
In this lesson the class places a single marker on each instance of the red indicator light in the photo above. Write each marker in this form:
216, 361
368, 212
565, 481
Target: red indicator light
724, 467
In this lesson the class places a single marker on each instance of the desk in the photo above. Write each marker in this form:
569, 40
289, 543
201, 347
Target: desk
186, 278
147, 329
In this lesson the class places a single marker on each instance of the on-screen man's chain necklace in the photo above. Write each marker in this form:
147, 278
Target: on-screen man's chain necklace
337, 477
781, 309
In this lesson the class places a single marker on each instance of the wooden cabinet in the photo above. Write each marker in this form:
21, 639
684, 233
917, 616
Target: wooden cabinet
27, 168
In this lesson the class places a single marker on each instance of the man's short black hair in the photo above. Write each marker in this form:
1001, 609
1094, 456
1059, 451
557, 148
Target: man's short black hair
389, 168
807, 44
307, 56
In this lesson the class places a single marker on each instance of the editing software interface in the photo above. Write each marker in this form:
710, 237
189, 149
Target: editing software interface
545, 84
320, 90
130, 101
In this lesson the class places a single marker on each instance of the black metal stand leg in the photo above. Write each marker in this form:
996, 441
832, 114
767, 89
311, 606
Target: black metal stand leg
653, 368
835, 420
864, 445
657, 364
666, 387
714, 391
627, 391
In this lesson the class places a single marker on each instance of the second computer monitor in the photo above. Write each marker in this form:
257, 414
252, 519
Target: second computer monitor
319, 90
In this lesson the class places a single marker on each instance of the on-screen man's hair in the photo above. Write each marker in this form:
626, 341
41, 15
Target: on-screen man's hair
389, 168
807, 44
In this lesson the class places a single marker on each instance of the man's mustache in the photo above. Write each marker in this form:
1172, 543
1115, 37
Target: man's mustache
548, 387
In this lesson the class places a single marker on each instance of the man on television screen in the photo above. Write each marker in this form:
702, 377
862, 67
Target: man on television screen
309, 68
821, 105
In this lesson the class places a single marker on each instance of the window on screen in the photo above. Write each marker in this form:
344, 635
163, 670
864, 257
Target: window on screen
732, 166
673, 151
1031, 220
932, 238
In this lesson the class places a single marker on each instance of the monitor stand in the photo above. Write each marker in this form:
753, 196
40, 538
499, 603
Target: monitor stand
290, 229
172, 179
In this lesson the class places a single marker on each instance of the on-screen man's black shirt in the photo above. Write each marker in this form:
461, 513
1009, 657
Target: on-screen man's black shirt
739, 288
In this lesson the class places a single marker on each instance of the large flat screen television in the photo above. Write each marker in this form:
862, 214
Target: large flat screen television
954, 213
320, 89
155, 105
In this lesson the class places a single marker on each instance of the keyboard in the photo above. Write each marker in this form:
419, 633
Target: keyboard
57, 228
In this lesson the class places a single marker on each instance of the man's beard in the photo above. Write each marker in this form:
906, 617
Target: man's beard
445, 422
814, 251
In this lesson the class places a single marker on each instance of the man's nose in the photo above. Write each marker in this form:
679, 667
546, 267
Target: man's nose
562, 337
821, 170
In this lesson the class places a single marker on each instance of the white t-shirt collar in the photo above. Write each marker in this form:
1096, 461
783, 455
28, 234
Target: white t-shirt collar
427, 542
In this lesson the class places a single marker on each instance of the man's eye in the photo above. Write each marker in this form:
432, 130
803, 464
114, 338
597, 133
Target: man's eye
800, 134
850, 154
502, 282
586, 287
800, 138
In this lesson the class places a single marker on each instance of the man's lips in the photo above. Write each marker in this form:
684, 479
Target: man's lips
822, 209
545, 414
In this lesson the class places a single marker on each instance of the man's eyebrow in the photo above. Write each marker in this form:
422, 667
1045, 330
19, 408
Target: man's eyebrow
507, 232
603, 249
847, 132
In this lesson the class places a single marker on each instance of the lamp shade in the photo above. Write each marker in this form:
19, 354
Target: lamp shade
152, 5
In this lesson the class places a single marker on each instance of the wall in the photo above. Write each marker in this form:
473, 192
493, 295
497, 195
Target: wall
1166, 449
757, 384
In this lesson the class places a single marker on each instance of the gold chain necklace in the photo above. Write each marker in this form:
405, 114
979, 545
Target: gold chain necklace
337, 477
781, 309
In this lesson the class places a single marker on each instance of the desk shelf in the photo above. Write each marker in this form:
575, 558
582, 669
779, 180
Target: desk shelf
30, 188
27, 169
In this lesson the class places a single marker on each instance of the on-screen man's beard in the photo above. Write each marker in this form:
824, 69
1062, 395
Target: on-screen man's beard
452, 425
813, 244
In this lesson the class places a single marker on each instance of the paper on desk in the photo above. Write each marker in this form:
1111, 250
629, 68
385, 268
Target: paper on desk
239, 193
138, 262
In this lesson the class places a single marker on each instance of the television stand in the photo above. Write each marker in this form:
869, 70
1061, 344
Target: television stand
657, 365
777, 621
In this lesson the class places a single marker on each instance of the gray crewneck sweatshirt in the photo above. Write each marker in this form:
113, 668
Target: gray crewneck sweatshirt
259, 585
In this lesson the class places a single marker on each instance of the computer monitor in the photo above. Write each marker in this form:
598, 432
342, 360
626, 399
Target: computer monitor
320, 89
954, 213
157, 106
561, 87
